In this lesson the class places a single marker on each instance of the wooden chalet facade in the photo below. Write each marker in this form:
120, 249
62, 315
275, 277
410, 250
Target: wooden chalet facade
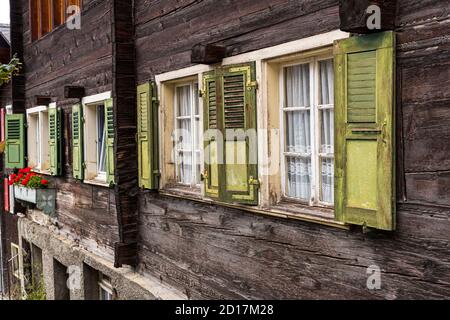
343, 148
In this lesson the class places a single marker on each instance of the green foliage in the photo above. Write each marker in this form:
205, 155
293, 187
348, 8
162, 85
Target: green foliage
36, 291
8, 70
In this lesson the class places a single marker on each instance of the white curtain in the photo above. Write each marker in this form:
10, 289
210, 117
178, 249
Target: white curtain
327, 130
298, 132
101, 138
184, 134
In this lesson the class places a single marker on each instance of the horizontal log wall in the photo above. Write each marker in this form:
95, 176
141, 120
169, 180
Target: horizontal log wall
214, 252
76, 58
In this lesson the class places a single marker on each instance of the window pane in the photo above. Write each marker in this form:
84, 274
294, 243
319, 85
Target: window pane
197, 167
101, 139
58, 13
35, 20
327, 180
185, 167
38, 142
184, 134
46, 22
298, 177
326, 95
298, 134
297, 86
327, 131
195, 97
184, 101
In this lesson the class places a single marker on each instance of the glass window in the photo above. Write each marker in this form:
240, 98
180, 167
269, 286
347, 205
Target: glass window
101, 140
308, 120
187, 125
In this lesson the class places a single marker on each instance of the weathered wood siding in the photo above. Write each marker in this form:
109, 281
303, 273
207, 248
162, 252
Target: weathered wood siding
76, 58
214, 252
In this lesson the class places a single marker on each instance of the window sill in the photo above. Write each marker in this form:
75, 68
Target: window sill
97, 182
284, 210
44, 172
179, 190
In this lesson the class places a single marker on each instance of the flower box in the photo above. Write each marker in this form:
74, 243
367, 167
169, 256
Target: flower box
44, 199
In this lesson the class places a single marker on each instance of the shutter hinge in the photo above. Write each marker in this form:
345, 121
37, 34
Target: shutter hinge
254, 182
83, 119
253, 85
84, 165
201, 93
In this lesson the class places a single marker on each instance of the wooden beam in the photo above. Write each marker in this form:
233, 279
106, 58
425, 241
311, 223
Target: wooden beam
355, 14
207, 54
72, 92
42, 100
125, 254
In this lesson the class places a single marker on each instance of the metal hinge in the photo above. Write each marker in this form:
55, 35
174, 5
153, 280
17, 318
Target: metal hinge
253, 84
254, 182
201, 93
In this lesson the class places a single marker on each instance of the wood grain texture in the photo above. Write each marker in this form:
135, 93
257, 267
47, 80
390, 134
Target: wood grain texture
214, 252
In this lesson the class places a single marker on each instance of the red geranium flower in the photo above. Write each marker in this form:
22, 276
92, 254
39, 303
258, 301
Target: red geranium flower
44, 182
24, 182
26, 170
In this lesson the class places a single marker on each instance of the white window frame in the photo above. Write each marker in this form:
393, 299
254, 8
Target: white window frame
41, 138
14, 256
90, 102
315, 129
161, 82
104, 285
193, 118
266, 60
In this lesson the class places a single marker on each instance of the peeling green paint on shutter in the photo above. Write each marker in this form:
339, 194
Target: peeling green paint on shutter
364, 124
147, 138
77, 142
110, 154
231, 173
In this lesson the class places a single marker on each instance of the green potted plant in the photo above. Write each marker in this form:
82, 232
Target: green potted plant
32, 188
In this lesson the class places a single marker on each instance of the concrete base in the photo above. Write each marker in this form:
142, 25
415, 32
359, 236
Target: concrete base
58, 250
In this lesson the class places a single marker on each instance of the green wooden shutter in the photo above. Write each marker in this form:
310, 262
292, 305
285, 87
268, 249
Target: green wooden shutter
109, 127
77, 142
364, 124
15, 141
148, 157
230, 107
55, 140
211, 126
240, 148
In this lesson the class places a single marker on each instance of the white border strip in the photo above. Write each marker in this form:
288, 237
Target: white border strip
297, 46
96, 98
37, 109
